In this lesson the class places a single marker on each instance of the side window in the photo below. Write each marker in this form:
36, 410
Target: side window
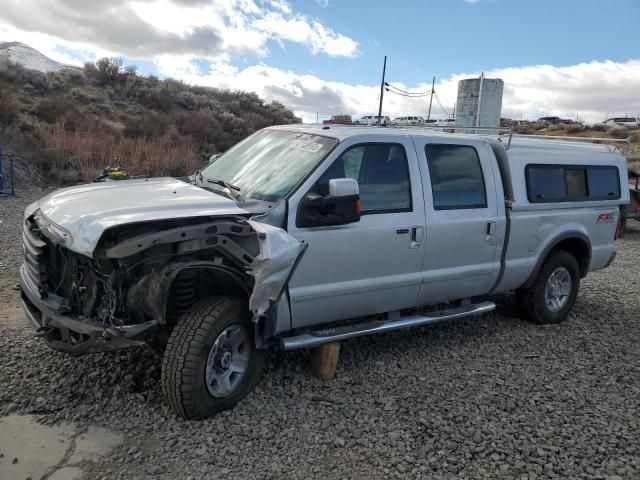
456, 177
603, 183
382, 172
546, 184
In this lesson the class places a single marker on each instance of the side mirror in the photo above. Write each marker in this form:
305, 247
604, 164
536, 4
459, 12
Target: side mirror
340, 207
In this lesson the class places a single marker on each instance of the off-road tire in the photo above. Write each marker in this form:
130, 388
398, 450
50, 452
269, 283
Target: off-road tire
531, 301
185, 358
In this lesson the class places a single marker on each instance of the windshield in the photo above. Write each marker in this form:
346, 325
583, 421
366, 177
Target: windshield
268, 164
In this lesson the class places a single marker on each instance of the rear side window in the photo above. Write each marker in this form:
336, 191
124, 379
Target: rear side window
547, 184
456, 177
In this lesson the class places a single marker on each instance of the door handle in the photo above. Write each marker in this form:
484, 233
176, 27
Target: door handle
417, 234
491, 231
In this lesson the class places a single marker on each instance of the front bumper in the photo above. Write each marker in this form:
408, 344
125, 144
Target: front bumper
71, 334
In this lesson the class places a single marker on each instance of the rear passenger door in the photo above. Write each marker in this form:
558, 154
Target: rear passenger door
464, 230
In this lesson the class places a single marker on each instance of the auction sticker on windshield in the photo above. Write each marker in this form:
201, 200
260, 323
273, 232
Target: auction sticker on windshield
307, 146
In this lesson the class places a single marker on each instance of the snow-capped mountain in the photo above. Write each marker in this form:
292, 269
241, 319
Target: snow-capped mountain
30, 57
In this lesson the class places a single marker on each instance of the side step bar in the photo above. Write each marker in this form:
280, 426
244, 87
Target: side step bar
315, 338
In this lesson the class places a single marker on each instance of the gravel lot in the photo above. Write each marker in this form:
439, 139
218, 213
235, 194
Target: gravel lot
487, 398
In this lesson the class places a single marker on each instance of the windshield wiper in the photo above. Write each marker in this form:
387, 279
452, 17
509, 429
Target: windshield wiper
229, 186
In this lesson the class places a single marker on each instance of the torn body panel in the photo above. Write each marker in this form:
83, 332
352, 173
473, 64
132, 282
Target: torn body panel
150, 273
280, 253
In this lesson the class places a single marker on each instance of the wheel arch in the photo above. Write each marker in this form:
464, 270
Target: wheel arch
153, 295
576, 243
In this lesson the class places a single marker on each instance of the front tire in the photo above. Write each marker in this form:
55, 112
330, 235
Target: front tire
210, 362
553, 292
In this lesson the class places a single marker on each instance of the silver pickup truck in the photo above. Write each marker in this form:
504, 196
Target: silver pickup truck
304, 235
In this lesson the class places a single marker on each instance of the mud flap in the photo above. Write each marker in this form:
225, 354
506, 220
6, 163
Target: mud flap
272, 269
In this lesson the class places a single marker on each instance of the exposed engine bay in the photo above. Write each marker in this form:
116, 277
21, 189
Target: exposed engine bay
144, 276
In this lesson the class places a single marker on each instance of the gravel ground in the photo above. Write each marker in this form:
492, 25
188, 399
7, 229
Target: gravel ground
493, 397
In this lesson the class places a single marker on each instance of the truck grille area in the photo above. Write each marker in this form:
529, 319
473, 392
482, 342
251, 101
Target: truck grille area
47, 266
33, 249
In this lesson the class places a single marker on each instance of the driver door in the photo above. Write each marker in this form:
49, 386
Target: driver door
373, 265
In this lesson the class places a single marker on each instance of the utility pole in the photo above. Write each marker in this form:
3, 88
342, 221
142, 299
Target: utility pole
384, 70
433, 84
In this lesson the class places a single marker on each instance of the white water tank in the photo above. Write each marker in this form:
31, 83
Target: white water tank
479, 102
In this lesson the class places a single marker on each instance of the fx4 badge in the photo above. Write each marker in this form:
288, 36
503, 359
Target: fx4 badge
605, 218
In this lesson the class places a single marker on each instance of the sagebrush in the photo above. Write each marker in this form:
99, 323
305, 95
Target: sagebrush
70, 124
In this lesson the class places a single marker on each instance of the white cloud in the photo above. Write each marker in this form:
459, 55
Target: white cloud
146, 28
177, 35
589, 89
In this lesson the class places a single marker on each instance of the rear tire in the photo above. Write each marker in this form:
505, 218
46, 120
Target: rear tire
210, 362
553, 293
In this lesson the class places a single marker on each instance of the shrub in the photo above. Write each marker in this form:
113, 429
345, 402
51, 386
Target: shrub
599, 127
9, 109
575, 128
618, 132
52, 109
539, 125
85, 154
524, 128
146, 125
553, 128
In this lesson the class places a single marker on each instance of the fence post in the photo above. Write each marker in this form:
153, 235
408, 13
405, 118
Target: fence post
1, 171
13, 174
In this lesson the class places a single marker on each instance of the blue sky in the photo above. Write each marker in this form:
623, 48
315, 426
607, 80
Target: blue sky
444, 37
564, 57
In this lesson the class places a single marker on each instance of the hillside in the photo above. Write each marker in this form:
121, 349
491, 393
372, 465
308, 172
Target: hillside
30, 58
69, 124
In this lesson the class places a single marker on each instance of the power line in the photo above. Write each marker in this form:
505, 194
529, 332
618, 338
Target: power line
440, 105
398, 91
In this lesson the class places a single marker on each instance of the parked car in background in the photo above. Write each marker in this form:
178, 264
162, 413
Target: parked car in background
410, 120
629, 122
338, 120
447, 122
555, 120
372, 120
508, 122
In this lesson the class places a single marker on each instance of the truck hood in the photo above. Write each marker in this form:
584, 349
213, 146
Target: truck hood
86, 211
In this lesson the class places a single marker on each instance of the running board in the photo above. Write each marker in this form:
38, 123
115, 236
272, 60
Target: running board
315, 338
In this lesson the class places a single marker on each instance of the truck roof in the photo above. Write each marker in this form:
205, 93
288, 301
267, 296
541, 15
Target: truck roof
518, 142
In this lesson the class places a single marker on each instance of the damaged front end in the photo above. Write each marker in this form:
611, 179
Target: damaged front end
142, 277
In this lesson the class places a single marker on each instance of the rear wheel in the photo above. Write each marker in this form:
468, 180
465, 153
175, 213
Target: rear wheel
553, 292
211, 362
